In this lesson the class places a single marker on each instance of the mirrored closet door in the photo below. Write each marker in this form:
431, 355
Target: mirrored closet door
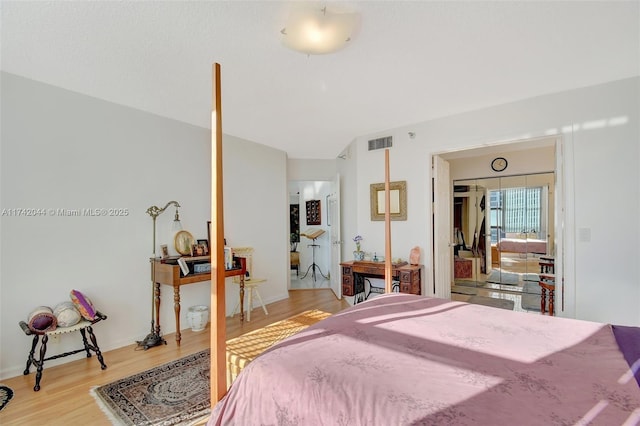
502, 230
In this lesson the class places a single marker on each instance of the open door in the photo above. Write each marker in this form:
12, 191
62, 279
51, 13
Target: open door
333, 224
442, 245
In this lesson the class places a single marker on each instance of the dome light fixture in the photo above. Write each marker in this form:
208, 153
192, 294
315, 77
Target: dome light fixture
318, 31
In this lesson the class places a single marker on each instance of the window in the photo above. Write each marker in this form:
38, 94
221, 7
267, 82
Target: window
517, 211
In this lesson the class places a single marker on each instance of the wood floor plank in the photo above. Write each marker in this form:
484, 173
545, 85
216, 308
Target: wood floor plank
64, 397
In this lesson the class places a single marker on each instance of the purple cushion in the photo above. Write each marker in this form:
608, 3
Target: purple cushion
42, 319
83, 304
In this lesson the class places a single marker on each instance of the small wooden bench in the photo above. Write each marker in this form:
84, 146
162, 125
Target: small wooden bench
83, 326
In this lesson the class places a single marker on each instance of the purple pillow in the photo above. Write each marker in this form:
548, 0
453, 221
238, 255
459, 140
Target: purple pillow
83, 304
42, 320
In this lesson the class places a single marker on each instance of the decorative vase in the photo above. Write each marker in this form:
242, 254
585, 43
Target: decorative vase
358, 255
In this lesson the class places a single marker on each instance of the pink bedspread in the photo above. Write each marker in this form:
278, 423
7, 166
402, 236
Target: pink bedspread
401, 359
515, 245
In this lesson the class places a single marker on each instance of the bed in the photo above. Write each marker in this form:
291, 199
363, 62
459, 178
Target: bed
522, 245
402, 359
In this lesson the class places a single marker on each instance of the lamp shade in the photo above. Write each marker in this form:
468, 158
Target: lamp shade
318, 31
176, 226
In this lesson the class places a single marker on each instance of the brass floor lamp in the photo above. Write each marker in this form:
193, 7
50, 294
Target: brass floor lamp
154, 338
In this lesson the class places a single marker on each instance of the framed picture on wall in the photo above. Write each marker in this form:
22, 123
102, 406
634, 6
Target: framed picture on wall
314, 216
398, 200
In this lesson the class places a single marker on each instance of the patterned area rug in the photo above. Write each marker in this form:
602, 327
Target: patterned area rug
6, 393
176, 393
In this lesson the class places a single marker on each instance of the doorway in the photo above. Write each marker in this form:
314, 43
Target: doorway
503, 230
309, 234
525, 157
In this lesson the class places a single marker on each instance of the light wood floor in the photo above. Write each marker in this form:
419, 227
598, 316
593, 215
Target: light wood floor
64, 397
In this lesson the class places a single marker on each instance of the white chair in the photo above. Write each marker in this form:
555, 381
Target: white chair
250, 284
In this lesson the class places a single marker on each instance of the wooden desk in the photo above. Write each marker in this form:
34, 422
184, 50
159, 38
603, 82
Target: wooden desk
170, 274
354, 273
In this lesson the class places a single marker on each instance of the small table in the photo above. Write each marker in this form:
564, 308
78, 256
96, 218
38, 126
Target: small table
170, 274
82, 326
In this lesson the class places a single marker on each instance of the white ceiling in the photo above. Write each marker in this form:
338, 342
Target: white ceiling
407, 63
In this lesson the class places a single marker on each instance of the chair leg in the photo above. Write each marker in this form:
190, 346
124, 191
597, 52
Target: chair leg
250, 304
235, 310
264, 308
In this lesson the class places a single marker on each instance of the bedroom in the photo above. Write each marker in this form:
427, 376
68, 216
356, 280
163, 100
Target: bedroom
89, 151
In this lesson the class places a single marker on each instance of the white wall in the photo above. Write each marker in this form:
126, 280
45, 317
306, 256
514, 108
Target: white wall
298, 169
65, 150
348, 203
600, 130
257, 214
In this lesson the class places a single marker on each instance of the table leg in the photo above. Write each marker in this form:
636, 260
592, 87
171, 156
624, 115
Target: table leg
31, 357
85, 342
40, 363
176, 308
241, 297
95, 347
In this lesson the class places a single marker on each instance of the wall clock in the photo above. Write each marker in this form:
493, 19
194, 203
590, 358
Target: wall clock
499, 164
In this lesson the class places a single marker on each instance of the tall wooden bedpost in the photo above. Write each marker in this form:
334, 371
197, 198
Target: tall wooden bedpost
218, 309
388, 272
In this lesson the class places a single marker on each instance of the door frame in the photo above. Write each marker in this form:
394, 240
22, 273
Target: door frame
333, 210
563, 231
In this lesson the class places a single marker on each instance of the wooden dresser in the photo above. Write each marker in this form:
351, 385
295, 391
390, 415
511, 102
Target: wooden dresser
355, 272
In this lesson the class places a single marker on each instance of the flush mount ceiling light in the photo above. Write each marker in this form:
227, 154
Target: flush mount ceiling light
318, 31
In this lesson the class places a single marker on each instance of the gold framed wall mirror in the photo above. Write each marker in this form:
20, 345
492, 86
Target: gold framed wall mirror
398, 201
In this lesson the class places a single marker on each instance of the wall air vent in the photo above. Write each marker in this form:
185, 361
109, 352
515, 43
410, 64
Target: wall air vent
386, 142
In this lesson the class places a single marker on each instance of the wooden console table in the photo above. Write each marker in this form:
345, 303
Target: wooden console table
170, 274
355, 272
